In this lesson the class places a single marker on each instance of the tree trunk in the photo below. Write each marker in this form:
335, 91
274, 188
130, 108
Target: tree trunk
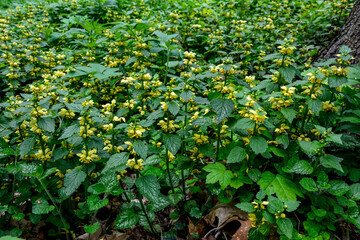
349, 36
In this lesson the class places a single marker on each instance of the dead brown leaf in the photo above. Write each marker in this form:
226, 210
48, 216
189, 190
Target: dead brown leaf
228, 219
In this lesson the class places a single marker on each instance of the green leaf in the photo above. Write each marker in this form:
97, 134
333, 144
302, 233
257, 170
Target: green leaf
254, 174
309, 184
160, 203
186, 95
173, 108
244, 124
289, 114
355, 191
330, 161
291, 206
48, 124
116, 161
265, 181
41, 206
70, 131
288, 73
109, 180
286, 226
336, 138
31, 170
245, 206
315, 105
172, 142
302, 167
195, 212
336, 81
320, 212
310, 148
152, 160
285, 189
94, 202
127, 218
204, 121
26, 146
275, 204
116, 190
74, 107
172, 64
3, 208
10, 238
91, 229
141, 148
236, 155
156, 114
148, 186
218, 173
222, 107
72, 181
175, 198
322, 178
258, 144
48, 173
164, 37
284, 140
97, 188
338, 187
18, 216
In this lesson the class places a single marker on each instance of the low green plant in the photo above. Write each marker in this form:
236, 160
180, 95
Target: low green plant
115, 113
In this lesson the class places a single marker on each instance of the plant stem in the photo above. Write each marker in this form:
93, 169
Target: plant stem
93, 217
143, 207
218, 142
146, 215
168, 171
14, 180
56, 207
167, 66
183, 150
167, 157
126, 196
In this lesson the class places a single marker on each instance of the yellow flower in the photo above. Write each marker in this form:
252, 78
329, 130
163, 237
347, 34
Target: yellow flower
254, 114
135, 164
87, 157
135, 131
44, 156
200, 139
167, 126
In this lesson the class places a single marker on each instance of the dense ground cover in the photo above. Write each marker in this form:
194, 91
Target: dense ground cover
154, 114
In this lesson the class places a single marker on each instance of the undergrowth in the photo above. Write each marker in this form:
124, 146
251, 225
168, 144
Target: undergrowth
133, 107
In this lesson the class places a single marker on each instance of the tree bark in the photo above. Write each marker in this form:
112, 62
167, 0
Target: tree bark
349, 36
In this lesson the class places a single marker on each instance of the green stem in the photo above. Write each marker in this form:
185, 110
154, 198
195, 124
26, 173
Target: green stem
218, 142
167, 66
86, 181
14, 180
143, 207
145, 213
126, 196
56, 207
94, 215
183, 151
168, 171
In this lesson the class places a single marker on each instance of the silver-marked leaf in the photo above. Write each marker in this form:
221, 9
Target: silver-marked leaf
172, 142
127, 218
26, 146
222, 107
148, 186
236, 155
116, 161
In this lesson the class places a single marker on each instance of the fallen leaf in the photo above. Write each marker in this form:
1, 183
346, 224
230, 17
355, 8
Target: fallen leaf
230, 220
